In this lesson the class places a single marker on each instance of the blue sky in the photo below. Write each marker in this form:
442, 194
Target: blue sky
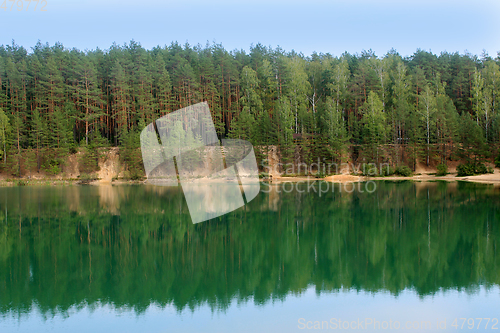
305, 26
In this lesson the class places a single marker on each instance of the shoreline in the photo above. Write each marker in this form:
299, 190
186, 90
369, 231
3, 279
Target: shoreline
492, 178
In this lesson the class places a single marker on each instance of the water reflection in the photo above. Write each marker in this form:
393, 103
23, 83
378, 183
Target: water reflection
133, 246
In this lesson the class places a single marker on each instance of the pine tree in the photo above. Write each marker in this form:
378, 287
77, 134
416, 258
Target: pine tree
335, 130
375, 126
400, 106
4, 132
474, 148
297, 88
286, 131
163, 87
491, 75
17, 92
428, 112
88, 96
446, 123
121, 104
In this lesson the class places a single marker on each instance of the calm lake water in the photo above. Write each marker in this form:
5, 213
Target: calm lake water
128, 259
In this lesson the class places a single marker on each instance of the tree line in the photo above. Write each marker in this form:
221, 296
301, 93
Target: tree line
402, 110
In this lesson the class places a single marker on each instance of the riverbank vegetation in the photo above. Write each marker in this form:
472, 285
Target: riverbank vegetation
373, 109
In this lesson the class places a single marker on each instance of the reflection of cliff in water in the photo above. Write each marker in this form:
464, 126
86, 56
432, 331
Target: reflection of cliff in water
134, 245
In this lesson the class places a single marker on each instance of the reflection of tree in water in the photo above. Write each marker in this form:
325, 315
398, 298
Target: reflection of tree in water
137, 245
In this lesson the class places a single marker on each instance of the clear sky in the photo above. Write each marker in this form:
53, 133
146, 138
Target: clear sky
324, 26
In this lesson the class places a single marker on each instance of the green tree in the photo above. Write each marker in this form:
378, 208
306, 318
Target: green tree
474, 147
121, 100
4, 132
335, 130
428, 112
297, 88
401, 106
375, 126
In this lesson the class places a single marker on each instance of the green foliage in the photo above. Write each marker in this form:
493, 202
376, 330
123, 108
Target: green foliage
400, 109
474, 149
372, 170
130, 154
335, 131
52, 166
442, 170
4, 132
14, 162
465, 170
386, 170
287, 146
481, 169
369, 169
497, 161
89, 160
469, 169
291, 174
86, 178
403, 170
320, 174
375, 126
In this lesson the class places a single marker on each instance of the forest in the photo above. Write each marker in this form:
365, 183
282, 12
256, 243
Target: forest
424, 108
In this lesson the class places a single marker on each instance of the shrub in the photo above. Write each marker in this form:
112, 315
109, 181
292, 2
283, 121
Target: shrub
320, 174
490, 170
131, 155
134, 174
86, 178
497, 161
481, 169
386, 171
465, 170
403, 170
292, 175
369, 169
52, 166
89, 161
442, 170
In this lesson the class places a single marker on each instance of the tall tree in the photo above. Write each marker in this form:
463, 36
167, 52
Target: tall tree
4, 132
375, 126
428, 112
297, 88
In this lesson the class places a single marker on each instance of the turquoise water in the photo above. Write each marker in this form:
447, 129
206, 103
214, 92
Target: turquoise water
128, 259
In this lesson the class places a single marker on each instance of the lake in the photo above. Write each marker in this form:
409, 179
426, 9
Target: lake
408, 255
